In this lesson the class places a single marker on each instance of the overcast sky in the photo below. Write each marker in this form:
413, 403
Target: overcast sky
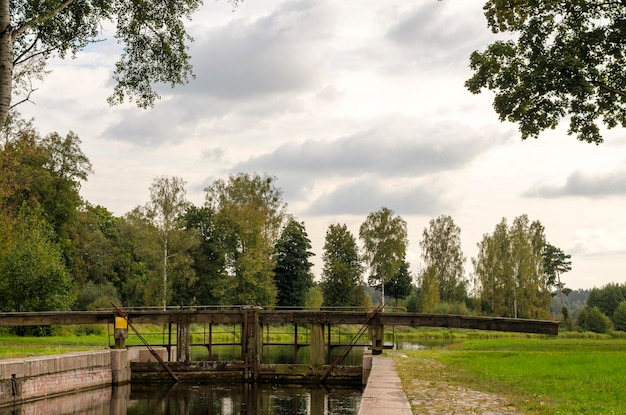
352, 106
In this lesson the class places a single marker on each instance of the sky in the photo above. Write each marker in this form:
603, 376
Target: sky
352, 106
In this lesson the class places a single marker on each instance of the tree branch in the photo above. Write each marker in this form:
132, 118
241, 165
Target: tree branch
608, 88
24, 100
40, 19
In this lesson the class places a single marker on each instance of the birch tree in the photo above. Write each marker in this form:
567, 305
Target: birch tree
151, 32
509, 270
443, 258
384, 238
165, 209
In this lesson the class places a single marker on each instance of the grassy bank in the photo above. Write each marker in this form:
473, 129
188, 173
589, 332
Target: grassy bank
546, 376
15, 346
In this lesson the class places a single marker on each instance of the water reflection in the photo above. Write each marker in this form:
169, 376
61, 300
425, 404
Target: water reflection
278, 354
220, 399
196, 399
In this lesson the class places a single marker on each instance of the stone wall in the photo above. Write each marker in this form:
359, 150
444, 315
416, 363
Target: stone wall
45, 376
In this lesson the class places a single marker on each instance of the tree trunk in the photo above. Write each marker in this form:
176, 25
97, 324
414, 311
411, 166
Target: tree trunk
165, 274
560, 289
6, 60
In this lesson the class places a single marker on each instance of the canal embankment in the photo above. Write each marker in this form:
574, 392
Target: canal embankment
383, 394
30, 378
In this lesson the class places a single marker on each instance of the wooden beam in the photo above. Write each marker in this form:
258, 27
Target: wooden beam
284, 317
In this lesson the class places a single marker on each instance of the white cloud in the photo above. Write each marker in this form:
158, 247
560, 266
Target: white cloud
584, 184
352, 105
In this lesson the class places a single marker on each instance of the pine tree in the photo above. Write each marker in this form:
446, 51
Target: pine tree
292, 273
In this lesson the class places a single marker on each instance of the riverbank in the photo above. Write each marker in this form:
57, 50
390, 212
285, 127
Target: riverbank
546, 376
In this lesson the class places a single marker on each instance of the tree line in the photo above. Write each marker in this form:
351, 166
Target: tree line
241, 246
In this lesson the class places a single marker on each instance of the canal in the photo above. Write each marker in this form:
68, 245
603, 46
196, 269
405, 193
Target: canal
210, 397
198, 399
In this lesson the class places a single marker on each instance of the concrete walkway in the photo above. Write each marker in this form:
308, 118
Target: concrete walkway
383, 394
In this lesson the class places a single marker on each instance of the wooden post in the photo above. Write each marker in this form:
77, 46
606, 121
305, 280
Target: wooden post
120, 332
377, 334
295, 344
329, 348
183, 341
251, 342
317, 401
210, 347
317, 344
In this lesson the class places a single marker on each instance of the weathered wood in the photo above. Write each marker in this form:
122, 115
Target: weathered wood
317, 345
250, 321
285, 317
234, 370
56, 318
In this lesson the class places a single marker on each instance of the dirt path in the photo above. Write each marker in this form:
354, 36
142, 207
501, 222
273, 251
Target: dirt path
428, 397
436, 398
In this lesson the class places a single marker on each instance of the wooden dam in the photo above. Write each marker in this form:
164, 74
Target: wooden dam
251, 325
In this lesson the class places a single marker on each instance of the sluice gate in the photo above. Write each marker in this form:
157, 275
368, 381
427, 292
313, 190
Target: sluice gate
310, 329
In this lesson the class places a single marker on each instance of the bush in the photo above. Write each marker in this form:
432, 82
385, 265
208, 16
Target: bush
592, 319
619, 317
452, 308
94, 296
413, 304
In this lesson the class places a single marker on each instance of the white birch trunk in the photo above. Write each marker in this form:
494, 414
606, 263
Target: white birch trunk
6, 60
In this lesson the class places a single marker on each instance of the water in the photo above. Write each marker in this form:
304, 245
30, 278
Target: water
213, 398
220, 399
198, 399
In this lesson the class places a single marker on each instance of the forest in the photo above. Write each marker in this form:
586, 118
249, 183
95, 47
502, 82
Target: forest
242, 246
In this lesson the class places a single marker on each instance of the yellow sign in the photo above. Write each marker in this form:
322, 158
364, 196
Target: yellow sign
121, 323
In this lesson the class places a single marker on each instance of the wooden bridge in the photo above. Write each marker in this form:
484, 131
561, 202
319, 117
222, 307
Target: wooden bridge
250, 322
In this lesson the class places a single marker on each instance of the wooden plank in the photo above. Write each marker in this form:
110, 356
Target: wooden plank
56, 318
284, 317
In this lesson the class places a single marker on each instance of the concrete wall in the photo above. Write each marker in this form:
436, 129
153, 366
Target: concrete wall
44, 376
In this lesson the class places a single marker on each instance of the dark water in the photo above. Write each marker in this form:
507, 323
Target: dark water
197, 399
242, 399
213, 398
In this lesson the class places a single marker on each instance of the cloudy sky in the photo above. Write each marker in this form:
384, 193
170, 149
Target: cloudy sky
352, 106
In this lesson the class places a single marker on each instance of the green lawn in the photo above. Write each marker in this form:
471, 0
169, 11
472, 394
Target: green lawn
15, 346
547, 376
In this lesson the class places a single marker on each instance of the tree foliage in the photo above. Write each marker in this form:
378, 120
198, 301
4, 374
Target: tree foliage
509, 270
607, 298
443, 258
566, 60
619, 317
95, 238
151, 32
165, 211
292, 273
401, 284
250, 212
43, 171
556, 263
209, 256
33, 276
384, 238
593, 319
342, 270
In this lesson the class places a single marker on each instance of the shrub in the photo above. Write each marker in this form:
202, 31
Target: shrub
413, 304
619, 317
592, 319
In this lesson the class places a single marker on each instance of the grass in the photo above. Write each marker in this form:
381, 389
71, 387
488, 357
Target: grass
97, 337
546, 376
16, 347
